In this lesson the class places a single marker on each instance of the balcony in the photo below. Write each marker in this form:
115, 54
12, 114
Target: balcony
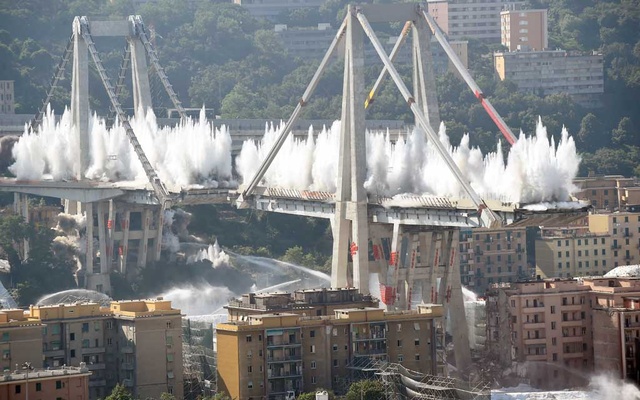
92, 350
283, 344
363, 338
534, 325
615, 247
627, 234
573, 322
97, 383
284, 358
531, 309
536, 357
573, 355
93, 367
535, 341
572, 339
54, 353
275, 374
572, 307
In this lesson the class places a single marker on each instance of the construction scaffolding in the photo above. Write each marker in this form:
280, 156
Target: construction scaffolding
402, 383
199, 360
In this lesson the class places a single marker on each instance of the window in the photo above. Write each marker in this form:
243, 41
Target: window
312, 348
416, 326
169, 340
313, 365
553, 341
400, 358
55, 329
5, 336
417, 357
335, 363
170, 357
250, 385
38, 387
18, 389
72, 336
553, 309
169, 325
85, 327
312, 333
58, 384
73, 353
335, 347
248, 338
553, 325
399, 343
313, 380
250, 369
417, 342
110, 341
85, 343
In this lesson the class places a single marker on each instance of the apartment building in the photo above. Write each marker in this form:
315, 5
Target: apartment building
524, 29
609, 192
271, 9
7, 99
45, 384
278, 354
20, 339
548, 322
624, 230
616, 326
313, 43
137, 343
474, 19
490, 256
573, 254
548, 72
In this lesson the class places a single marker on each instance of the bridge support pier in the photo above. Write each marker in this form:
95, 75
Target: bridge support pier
423, 263
80, 100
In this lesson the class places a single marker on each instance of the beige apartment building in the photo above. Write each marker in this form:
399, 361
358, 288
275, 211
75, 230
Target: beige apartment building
624, 230
475, 19
271, 9
573, 254
609, 192
490, 256
554, 71
20, 339
46, 384
524, 29
548, 323
7, 99
276, 355
137, 343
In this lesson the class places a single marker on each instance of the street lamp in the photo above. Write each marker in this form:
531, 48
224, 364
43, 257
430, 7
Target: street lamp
27, 367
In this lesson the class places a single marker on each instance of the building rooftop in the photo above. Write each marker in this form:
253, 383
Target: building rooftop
11, 318
123, 308
38, 374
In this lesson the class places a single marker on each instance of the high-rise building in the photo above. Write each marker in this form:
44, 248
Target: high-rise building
573, 254
609, 192
7, 99
579, 75
276, 354
271, 9
524, 29
137, 343
470, 19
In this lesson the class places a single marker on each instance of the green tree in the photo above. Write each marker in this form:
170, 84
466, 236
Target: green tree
119, 392
625, 133
167, 396
590, 134
365, 390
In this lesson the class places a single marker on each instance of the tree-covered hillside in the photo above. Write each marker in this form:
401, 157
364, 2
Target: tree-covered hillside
216, 54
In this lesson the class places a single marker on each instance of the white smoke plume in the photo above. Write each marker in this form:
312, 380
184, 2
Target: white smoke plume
536, 168
194, 153
212, 253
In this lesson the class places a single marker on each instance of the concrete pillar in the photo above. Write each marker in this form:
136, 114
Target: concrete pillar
80, 100
424, 81
142, 249
25, 215
410, 261
139, 76
102, 238
157, 243
111, 226
351, 198
88, 265
124, 244
17, 203
71, 207
454, 302
428, 254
